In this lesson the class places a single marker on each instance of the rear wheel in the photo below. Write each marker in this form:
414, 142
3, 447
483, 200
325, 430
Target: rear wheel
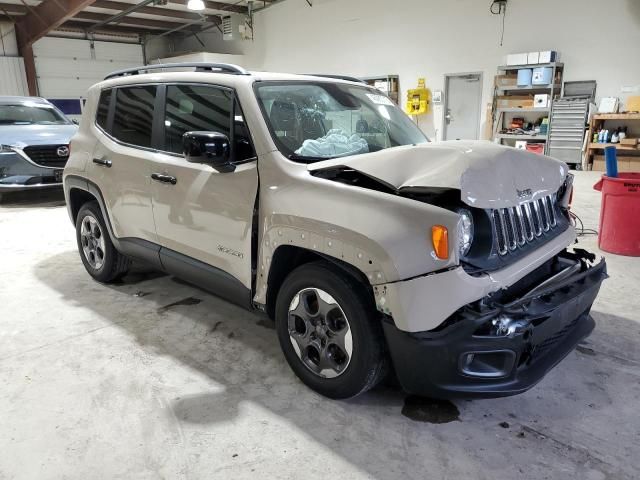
329, 331
99, 256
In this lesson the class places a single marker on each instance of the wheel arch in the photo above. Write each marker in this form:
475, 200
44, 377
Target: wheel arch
287, 258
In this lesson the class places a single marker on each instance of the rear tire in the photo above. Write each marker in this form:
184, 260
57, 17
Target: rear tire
330, 332
99, 256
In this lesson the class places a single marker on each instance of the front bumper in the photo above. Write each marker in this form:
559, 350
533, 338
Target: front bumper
466, 357
17, 174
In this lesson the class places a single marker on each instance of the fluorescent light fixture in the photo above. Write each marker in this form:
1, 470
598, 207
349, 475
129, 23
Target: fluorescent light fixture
195, 5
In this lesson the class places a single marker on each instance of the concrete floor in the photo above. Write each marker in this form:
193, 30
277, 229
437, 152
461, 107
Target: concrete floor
111, 382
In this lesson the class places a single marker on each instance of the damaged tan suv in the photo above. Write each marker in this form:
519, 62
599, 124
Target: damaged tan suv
316, 200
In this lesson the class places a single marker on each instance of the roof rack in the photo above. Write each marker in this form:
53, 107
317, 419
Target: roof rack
199, 66
338, 77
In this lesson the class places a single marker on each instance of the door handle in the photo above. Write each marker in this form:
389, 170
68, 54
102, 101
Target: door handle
103, 162
160, 177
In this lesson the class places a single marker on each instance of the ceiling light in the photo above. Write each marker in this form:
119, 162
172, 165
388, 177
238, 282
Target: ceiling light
195, 5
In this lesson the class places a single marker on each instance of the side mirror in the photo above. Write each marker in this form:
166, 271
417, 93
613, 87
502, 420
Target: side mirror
212, 148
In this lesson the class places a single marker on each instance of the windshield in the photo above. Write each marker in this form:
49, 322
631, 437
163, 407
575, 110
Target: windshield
31, 115
313, 121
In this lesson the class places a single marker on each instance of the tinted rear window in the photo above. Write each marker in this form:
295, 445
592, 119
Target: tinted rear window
103, 108
133, 118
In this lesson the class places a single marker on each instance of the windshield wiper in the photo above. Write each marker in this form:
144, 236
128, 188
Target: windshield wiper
306, 159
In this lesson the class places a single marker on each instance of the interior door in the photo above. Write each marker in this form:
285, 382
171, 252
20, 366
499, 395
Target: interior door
200, 212
463, 94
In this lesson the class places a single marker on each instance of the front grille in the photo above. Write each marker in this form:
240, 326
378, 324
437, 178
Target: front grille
47, 155
517, 226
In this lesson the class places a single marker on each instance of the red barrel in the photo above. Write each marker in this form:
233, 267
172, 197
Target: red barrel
620, 214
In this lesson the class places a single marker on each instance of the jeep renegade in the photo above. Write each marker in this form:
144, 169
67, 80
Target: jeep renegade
316, 200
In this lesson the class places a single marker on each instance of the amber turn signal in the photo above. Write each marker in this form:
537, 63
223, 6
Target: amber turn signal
440, 240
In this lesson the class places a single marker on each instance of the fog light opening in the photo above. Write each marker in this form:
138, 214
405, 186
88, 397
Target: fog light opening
491, 364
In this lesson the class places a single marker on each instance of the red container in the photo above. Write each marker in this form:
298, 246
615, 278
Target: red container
620, 214
535, 148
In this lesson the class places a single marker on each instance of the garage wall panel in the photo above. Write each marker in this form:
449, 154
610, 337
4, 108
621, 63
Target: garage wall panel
13, 79
66, 68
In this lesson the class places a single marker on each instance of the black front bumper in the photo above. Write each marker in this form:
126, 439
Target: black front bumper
466, 358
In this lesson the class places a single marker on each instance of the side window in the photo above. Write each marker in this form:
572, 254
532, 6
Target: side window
243, 148
133, 118
103, 109
195, 108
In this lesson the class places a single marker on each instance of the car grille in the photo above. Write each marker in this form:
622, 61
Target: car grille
515, 227
47, 155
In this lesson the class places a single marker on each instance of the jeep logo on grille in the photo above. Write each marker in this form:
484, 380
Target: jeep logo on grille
526, 193
63, 151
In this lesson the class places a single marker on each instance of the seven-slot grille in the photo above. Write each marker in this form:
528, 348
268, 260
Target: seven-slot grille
517, 226
47, 155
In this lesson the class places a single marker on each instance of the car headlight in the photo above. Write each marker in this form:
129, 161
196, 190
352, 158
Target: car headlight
465, 231
6, 149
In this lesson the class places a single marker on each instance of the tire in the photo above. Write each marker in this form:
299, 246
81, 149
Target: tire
322, 341
99, 256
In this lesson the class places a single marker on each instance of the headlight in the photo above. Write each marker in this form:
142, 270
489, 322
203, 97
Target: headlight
465, 231
6, 149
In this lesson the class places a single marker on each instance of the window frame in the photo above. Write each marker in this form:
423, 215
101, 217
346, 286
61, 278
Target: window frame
234, 100
112, 112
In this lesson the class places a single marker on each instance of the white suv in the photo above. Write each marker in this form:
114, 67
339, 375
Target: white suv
316, 200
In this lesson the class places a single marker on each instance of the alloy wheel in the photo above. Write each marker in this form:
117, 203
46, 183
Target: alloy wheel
320, 332
92, 240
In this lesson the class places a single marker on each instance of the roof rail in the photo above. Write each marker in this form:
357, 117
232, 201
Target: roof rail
338, 77
199, 66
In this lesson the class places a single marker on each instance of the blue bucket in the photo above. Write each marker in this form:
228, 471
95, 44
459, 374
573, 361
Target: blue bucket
542, 75
524, 77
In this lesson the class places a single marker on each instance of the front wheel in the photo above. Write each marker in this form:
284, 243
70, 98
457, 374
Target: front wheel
330, 332
99, 256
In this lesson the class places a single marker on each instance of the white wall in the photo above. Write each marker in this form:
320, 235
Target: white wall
597, 40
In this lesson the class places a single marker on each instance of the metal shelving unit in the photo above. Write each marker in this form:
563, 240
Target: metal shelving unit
500, 114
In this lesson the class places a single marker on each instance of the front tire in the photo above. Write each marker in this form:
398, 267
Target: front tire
330, 331
99, 256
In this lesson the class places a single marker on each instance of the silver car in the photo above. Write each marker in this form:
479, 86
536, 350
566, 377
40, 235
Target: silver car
34, 143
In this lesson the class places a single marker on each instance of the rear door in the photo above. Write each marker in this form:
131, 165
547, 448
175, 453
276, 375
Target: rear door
121, 159
206, 215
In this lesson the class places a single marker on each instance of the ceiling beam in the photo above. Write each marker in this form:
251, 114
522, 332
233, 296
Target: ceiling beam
111, 29
227, 7
159, 11
96, 18
45, 17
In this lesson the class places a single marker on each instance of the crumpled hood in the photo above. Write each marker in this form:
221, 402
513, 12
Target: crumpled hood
488, 175
23, 135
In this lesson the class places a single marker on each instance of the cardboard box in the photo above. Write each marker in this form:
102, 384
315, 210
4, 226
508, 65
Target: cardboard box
626, 163
515, 101
598, 165
508, 80
517, 59
541, 100
633, 104
630, 142
533, 58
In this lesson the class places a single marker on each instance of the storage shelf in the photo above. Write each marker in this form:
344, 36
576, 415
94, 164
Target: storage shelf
524, 110
531, 65
511, 136
616, 116
602, 146
532, 88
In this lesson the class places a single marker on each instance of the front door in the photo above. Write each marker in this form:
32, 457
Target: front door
206, 215
463, 95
